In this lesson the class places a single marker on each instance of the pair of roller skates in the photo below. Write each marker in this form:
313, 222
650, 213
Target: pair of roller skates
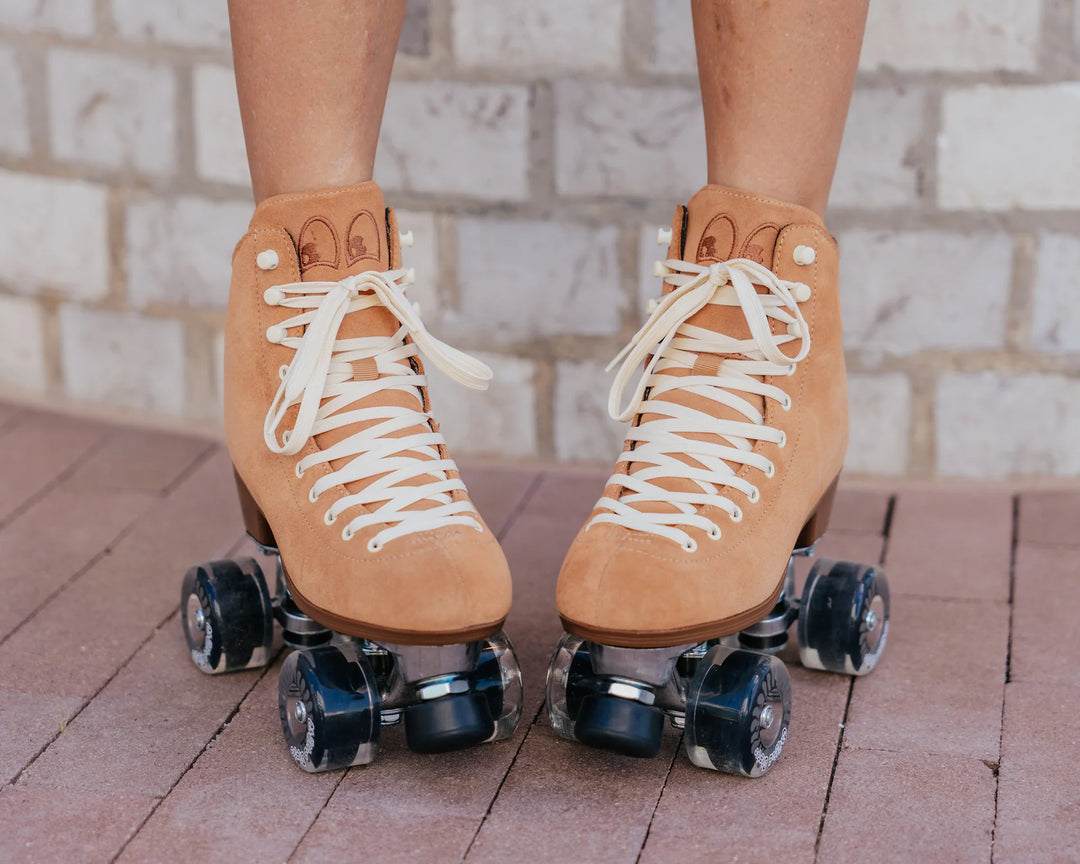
676, 595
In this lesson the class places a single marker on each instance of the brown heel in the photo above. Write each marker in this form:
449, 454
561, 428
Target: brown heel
254, 521
815, 526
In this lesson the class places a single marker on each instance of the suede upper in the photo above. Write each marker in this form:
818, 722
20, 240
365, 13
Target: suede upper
436, 586
627, 587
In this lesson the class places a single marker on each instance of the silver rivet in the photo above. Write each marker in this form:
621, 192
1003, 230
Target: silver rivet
267, 259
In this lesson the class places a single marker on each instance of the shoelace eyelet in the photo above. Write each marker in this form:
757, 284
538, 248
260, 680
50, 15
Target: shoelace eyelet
804, 255
478, 528
267, 260
783, 440
276, 333
690, 545
736, 515
311, 496
714, 532
786, 404
770, 471
754, 495
273, 296
299, 472
372, 546
329, 518
346, 533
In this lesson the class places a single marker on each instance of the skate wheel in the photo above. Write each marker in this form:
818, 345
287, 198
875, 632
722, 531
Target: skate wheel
226, 615
738, 708
568, 675
843, 617
498, 678
329, 707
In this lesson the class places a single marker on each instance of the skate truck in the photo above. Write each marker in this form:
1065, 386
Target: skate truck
731, 696
336, 692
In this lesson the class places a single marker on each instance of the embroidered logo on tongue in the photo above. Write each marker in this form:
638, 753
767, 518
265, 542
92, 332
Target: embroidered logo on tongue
362, 238
320, 244
720, 242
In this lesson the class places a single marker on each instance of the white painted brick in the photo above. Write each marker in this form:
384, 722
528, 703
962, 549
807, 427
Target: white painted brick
1055, 323
583, 430
639, 142
192, 23
112, 111
179, 251
22, 333
953, 35
53, 236
15, 128
673, 39
877, 161
995, 425
423, 257
122, 359
457, 139
219, 135
66, 17
525, 279
880, 411
904, 292
522, 34
1010, 147
500, 420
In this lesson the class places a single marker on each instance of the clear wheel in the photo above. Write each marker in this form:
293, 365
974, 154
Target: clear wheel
738, 707
843, 617
329, 706
568, 671
498, 678
226, 615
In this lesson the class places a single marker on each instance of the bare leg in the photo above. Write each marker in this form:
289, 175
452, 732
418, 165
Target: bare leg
776, 82
312, 78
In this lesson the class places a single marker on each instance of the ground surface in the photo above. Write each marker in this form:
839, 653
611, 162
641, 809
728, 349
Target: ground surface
962, 746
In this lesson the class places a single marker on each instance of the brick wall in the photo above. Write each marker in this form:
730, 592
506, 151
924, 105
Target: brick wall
533, 148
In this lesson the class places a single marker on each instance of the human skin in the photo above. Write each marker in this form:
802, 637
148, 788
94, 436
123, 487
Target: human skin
776, 81
312, 77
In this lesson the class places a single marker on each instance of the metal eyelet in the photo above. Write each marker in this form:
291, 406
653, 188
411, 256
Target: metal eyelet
346, 533
770, 471
690, 545
372, 546
754, 495
786, 403
783, 440
311, 496
714, 532
298, 470
736, 515
329, 518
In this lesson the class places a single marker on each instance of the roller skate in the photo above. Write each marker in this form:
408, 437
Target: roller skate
389, 587
678, 592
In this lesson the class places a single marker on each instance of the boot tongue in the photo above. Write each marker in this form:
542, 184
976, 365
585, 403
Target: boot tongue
722, 224
338, 233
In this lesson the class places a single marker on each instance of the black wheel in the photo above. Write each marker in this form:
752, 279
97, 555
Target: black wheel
738, 707
226, 615
329, 707
843, 617
498, 678
579, 708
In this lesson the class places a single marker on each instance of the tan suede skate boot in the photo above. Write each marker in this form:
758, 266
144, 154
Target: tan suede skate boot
339, 462
739, 431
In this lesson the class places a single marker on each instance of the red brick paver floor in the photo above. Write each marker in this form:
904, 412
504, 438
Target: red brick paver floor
962, 746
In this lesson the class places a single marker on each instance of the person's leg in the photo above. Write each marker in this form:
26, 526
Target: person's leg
312, 77
738, 421
776, 81
339, 463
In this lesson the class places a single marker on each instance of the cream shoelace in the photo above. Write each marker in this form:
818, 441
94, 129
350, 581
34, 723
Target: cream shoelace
320, 379
662, 445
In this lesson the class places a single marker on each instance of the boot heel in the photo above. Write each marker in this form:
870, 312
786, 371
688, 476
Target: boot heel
815, 526
254, 521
